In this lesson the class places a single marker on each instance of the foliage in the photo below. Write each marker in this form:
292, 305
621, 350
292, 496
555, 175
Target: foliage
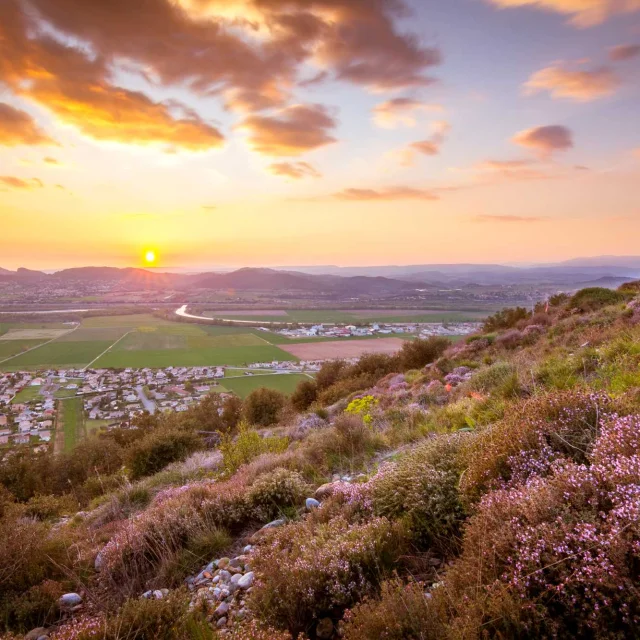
505, 319
593, 298
262, 406
274, 492
364, 407
246, 446
305, 395
416, 354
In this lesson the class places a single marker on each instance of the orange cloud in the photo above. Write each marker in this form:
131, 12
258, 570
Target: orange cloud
18, 183
295, 170
400, 111
581, 86
545, 140
77, 89
291, 131
624, 52
583, 13
511, 169
429, 147
508, 218
18, 127
386, 194
52, 161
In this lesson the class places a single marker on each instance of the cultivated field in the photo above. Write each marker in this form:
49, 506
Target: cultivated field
281, 382
344, 348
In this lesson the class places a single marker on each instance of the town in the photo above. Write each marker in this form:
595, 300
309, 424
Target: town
419, 329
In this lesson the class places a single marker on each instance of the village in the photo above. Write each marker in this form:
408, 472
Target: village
30, 401
420, 329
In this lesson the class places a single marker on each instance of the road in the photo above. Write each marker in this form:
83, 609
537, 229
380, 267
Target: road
182, 312
149, 405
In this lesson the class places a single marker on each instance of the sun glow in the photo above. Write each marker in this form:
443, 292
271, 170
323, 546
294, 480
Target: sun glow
150, 257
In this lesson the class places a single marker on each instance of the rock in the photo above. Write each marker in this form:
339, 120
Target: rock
98, 562
34, 634
147, 595
246, 581
221, 623
238, 561
157, 594
222, 563
247, 548
326, 490
69, 600
311, 503
241, 614
222, 610
235, 578
324, 630
271, 525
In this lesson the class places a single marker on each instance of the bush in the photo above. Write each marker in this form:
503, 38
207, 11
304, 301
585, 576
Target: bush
403, 610
271, 493
510, 339
159, 448
594, 298
494, 379
415, 354
505, 319
307, 570
262, 406
247, 445
304, 395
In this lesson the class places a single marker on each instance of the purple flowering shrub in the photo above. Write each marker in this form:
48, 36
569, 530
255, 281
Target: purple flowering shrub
311, 569
545, 429
558, 555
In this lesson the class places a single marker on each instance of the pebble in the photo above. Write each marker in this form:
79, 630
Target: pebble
247, 548
222, 610
311, 503
69, 600
246, 581
37, 633
221, 623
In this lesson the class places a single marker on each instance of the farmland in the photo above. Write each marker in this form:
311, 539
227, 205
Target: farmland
344, 348
243, 386
70, 424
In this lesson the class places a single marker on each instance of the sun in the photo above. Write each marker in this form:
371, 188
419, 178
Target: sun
150, 257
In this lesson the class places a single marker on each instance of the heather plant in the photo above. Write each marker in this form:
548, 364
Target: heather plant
402, 611
544, 429
308, 570
564, 547
246, 446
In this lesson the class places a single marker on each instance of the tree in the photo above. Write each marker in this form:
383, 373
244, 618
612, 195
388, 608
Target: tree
262, 406
304, 395
415, 354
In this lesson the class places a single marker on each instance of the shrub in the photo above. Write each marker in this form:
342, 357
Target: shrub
403, 610
505, 319
247, 445
494, 379
307, 570
531, 437
273, 492
304, 395
593, 298
510, 339
159, 448
262, 406
415, 354
364, 407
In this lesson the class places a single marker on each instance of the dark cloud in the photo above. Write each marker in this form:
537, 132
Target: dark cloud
291, 131
295, 170
624, 52
18, 127
545, 140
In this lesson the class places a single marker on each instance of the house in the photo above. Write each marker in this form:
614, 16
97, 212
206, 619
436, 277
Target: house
3, 420
25, 426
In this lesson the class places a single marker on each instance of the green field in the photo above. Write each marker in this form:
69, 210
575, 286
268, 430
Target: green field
71, 420
59, 353
10, 348
285, 382
26, 395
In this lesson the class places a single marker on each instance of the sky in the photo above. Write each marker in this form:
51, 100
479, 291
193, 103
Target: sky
302, 132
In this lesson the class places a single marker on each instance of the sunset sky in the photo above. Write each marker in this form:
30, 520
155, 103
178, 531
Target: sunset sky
291, 132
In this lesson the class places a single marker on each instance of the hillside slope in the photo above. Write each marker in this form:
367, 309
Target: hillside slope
487, 489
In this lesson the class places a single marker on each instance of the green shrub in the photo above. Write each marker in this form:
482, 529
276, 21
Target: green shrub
304, 395
500, 378
594, 298
262, 406
246, 446
159, 448
273, 492
505, 319
415, 354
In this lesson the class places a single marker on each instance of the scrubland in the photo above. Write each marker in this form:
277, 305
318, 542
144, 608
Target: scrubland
487, 489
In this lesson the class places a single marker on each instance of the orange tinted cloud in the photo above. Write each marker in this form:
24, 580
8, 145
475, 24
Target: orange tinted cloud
51, 161
511, 169
400, 111
295, 170
18, 127
429, 147
291, 131
545, 140
581, 86
583, 13
19, 183
385, 194
624, 52
508, 218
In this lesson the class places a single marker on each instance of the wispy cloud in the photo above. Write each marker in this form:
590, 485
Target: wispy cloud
385, 194
401, 111
28, 184
574, 84
17, 127
509, 219
624, 52
294, 170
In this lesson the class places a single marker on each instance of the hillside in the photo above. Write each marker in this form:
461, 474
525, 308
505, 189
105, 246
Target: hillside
486, 489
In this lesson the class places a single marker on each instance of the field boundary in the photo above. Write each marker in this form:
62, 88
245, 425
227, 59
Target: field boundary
107, 350
39, 345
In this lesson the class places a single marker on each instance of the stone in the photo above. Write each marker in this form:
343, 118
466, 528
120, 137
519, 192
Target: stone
235, 578
221, 623
237, 562
222, 610
241, 614
147, 595
69, 600
326, 490
324, 630
222, 563
311, 503
224, 576
246, 581
247, 548
36, 633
